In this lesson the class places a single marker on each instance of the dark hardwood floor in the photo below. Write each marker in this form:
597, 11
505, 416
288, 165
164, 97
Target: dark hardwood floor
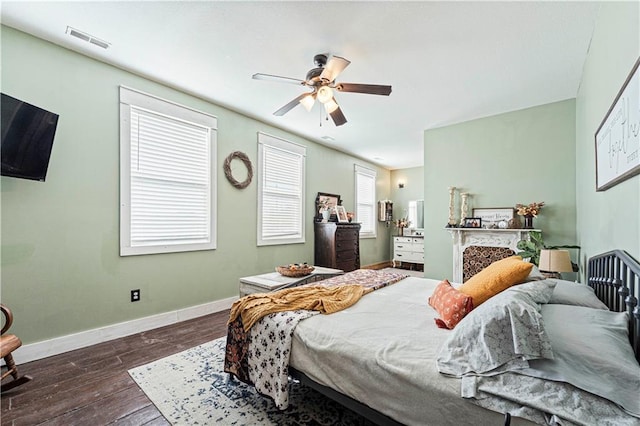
91, 386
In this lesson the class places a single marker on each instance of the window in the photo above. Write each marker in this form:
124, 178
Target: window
167, 176
280, 191
365, 200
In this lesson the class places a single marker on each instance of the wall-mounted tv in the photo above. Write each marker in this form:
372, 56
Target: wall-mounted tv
27, 139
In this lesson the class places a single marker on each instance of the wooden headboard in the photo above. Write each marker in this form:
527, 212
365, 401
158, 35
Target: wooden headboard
615, 277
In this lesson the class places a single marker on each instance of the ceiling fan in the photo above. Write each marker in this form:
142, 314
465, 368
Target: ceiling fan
322, 80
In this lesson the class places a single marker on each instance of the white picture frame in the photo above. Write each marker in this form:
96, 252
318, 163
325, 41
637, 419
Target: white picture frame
341, 214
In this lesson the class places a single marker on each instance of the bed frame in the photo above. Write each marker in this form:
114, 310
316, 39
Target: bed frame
615, 277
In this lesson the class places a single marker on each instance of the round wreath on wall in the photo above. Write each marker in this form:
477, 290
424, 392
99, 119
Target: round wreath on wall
227, 169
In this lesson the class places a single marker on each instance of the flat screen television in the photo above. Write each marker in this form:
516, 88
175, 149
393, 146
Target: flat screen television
27, 139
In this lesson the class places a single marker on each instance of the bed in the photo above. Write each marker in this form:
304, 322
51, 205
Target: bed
385, 359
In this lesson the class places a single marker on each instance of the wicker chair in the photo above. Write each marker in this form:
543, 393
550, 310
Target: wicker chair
8, 344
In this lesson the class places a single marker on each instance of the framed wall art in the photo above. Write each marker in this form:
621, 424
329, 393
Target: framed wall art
491, 217
618, 137
328, 201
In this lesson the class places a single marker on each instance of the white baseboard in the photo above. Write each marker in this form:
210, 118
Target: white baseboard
58, 345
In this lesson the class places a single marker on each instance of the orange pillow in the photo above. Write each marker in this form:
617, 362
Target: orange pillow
450, 304
495, 278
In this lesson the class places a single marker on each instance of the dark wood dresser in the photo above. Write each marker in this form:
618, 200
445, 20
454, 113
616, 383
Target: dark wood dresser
337, 245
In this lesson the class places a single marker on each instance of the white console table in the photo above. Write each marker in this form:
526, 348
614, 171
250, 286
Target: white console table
408, 249
467, 237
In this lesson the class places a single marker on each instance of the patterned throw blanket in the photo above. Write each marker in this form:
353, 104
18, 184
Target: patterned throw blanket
260, 356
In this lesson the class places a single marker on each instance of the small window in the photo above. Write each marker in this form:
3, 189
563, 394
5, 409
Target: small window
167, 176
365, 201
281, 183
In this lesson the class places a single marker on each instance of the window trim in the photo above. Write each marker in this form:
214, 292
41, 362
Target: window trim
361, 170
131, 97
288, 146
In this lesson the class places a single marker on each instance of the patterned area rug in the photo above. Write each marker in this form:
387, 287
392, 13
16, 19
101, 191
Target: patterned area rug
191, 388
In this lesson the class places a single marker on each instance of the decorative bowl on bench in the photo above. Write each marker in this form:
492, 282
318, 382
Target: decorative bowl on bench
295, 270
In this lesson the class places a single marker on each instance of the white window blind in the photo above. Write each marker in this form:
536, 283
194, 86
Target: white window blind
365, 200
167, 176
280, 191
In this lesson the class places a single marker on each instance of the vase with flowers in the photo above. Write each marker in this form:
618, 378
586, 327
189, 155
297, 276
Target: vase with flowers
529, 211
324, 210
401, 224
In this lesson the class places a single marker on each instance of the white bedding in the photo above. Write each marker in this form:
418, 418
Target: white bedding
400, 379
383, 351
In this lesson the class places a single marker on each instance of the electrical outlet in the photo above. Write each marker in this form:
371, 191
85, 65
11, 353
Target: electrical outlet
135, 295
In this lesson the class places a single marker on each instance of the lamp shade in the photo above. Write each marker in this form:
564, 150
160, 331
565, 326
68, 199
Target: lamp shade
331, 106
555, 261
308, 101
325, 94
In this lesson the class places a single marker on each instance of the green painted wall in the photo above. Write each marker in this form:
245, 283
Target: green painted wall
517, 157
413, 179
610, 219
61, 272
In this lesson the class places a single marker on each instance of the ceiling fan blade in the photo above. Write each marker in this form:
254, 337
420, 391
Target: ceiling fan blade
334, 67
288, 107
370, 89
337, 116
278, 79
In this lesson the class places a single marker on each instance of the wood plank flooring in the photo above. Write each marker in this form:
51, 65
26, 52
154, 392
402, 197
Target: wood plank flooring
91, 386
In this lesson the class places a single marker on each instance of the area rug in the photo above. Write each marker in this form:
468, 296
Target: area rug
191, 388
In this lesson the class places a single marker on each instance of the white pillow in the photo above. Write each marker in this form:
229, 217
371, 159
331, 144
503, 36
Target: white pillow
570, 293
591, 352
501, 334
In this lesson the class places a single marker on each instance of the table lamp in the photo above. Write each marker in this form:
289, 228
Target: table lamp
554, 262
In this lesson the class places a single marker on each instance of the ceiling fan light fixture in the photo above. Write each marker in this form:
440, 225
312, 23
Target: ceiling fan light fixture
308, 101
330, 106
325, 94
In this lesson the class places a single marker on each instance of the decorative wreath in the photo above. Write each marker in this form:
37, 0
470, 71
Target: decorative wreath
227, 169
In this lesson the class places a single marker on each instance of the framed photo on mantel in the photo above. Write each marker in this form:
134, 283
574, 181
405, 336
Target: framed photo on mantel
491, 217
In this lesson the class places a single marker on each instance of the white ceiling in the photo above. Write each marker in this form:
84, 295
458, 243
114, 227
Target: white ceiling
448, 62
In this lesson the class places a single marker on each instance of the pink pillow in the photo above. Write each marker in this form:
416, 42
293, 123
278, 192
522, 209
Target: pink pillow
451, 304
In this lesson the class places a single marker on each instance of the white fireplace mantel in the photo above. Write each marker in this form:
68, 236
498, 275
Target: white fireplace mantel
466, 237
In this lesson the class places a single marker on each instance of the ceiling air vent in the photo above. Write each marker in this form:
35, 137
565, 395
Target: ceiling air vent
88, 38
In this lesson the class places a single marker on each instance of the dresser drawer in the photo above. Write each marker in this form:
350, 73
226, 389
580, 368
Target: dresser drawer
342, 245
404, 240
347, 234
342, 256
402, 255
418, 247
402, 247
348, 266
412, 257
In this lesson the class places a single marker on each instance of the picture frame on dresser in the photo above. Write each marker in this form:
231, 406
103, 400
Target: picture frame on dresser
327, 201
491, 216
341, 214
